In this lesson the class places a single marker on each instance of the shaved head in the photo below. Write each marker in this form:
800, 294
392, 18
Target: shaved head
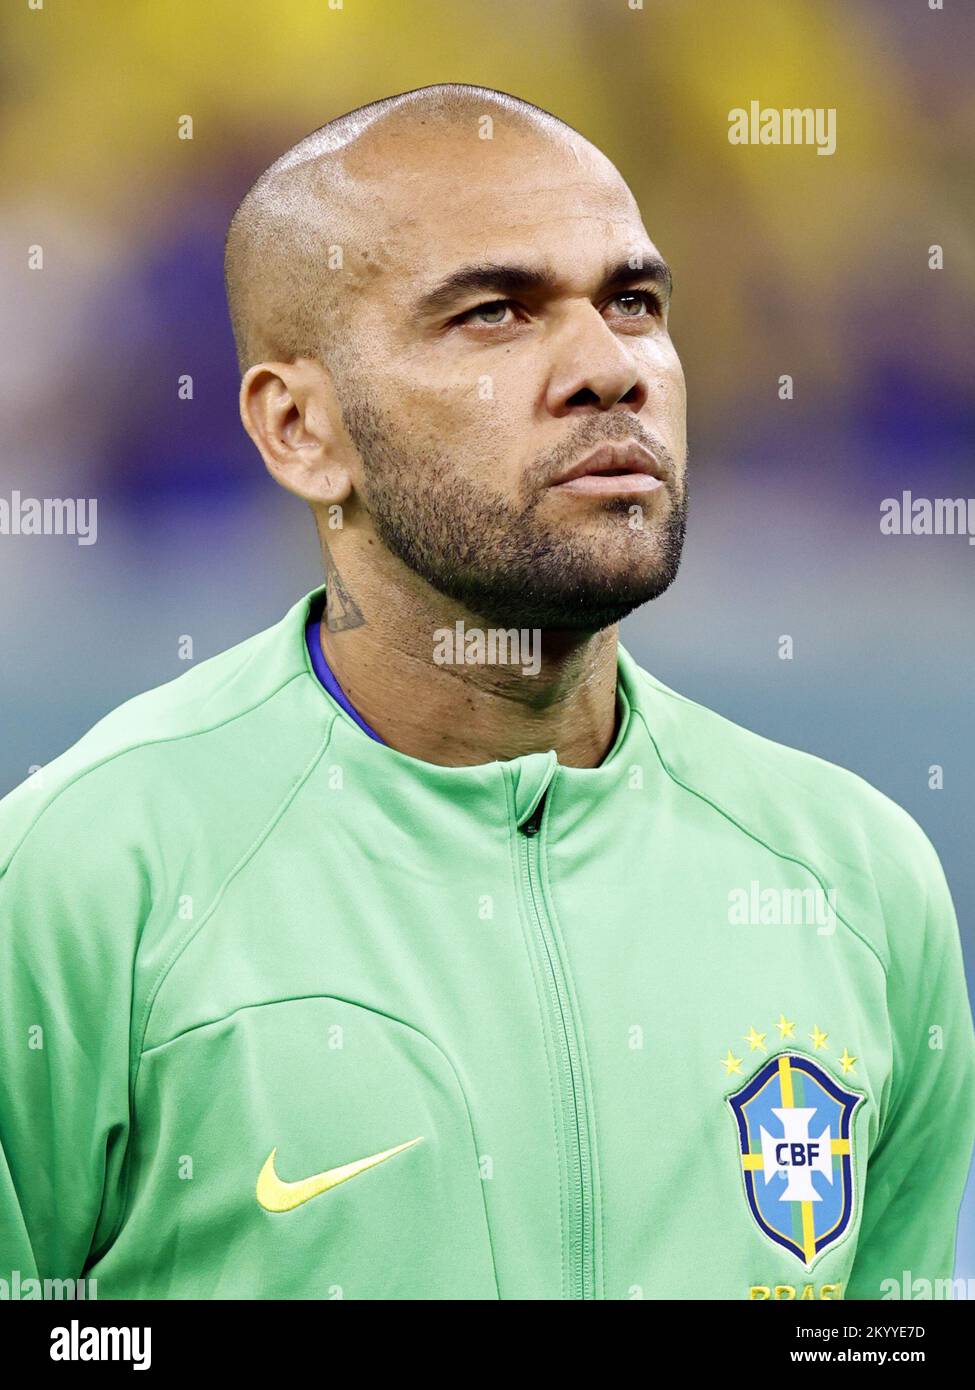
443, 303
309, 227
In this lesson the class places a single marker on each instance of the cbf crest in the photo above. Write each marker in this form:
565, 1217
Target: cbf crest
795, 1142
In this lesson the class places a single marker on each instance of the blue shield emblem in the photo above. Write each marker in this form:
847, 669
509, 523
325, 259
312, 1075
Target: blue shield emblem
795, 1138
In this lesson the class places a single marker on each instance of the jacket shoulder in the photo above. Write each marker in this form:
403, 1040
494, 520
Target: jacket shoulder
853, 837
163, 745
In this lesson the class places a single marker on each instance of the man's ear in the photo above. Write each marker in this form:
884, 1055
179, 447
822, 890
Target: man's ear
291, 412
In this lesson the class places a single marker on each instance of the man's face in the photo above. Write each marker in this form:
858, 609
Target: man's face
508, 318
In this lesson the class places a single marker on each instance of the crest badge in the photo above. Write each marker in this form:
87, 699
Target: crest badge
795, 1140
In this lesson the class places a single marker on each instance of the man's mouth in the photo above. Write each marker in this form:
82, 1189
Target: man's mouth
622, 468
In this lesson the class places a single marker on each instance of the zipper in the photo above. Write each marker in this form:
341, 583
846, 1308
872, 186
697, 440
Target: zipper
580, 1226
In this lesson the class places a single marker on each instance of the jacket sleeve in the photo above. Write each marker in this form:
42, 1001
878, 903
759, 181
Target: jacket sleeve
69, 907
917, 1171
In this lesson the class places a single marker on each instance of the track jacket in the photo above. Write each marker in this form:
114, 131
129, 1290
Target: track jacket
287, 1014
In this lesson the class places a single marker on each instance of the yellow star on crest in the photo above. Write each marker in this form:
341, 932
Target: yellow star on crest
787, 1029
818, 1038
755, 1040
731, 1063
846, 1062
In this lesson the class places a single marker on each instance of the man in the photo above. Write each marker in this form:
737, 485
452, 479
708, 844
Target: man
423, 946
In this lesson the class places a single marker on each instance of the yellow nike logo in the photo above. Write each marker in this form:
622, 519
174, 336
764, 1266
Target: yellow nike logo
275, 1195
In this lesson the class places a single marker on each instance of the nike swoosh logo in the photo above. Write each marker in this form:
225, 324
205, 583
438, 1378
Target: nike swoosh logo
275, 1195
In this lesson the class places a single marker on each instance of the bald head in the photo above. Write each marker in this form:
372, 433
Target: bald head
316, 221
442, 302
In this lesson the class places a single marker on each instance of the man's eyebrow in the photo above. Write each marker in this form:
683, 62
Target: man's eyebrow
488, 278
637, 270
508, 280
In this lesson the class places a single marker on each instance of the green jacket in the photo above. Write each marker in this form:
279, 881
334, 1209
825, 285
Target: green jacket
288, 1014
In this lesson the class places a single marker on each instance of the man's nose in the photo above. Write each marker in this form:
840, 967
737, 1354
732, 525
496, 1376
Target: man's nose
593, 370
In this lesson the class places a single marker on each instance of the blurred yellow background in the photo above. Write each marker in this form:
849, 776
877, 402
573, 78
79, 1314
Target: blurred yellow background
96, 90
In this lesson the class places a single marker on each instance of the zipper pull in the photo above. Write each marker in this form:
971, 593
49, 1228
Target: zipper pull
534, 822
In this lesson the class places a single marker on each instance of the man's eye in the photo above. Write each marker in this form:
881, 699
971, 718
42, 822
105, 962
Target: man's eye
492, 314
637, 304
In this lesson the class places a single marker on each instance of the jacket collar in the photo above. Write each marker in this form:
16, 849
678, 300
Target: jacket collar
508, 790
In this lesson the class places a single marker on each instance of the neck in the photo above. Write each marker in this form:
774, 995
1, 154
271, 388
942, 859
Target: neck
426, 675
